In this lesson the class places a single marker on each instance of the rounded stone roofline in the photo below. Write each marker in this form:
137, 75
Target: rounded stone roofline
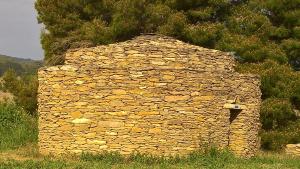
205, 60
151, 36
151, 51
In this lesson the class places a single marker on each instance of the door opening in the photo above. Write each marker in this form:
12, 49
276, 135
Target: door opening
233, 114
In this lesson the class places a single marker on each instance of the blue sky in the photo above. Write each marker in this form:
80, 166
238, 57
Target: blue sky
19, 30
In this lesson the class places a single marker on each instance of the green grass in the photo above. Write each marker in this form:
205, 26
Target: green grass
210, 160
16, 127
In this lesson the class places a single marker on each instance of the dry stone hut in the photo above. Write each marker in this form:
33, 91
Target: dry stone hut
153, 95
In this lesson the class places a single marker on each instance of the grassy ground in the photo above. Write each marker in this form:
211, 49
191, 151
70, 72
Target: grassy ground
28, 157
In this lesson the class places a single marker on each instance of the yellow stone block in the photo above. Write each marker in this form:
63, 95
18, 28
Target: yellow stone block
118, 97
195, 93
81, 121
91, 135
75, 54
121, 113
203, 98
147, 113
132, 52
119, 92
92, 85
99, 129
168, 77
155, 130
200, 118
56, 86
90, 54
110, 133
137, 91
80, 103
76, 151
111, 124
79, 82
65, 128
75, 115
81, 127
104, 147
83, 88
175, 98
153, 79
158, 62
96, 142
177, 65
132, 116
137, 129
116, 103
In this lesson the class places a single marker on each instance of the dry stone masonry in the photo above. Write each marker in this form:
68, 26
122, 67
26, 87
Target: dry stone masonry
153, 94
293, 149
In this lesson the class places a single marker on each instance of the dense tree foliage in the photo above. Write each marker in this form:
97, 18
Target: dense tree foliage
262, 34
254, 29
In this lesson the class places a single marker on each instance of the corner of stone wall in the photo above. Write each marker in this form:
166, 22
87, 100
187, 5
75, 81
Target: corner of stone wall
248, 87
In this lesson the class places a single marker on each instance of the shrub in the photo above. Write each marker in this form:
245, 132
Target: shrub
277, 139
295, 99
16, 127
276, 113
23, 88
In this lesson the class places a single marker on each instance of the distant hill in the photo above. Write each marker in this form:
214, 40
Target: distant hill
21, 66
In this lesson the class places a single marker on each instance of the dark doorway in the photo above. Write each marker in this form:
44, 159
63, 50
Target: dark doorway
233, 114
233, 125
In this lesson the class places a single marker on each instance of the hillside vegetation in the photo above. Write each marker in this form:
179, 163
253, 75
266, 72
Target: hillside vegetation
21, 66
18, 82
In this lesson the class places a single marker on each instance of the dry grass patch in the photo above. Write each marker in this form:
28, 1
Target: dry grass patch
6, 97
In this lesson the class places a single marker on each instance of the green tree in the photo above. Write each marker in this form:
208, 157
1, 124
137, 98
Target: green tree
253, 29
284, 16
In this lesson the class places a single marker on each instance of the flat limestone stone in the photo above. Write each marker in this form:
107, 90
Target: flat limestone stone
81, 121
176, 98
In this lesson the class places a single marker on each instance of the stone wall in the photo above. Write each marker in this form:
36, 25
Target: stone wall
152, 94
293, 149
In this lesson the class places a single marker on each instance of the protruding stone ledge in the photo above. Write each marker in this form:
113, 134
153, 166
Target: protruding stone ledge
234, 106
